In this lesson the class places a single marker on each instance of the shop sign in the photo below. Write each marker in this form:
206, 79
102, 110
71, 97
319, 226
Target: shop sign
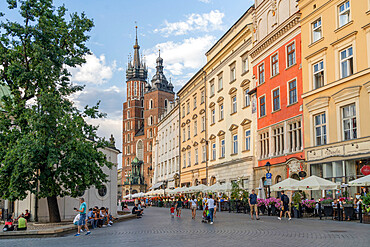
268, 181
365, 170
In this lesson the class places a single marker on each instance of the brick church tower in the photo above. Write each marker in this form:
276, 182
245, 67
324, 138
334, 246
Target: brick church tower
145, 103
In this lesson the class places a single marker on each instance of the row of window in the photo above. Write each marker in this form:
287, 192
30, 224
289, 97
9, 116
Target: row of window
245, 68
276, 101
184, 113
281, 139
274, 61
187, 132
344, 16
168, 167
136, 87
187, 158
171, 145
348, 125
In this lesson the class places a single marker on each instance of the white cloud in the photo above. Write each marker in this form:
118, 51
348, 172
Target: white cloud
94, 71
205, 1
195, 22
180, 56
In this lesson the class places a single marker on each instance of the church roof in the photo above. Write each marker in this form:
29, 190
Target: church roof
136, 69
159, 80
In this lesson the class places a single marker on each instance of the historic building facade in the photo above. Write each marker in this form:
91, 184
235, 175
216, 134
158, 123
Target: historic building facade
145, 102
230, 128
276, 60
336, 90
166, 147
193, 122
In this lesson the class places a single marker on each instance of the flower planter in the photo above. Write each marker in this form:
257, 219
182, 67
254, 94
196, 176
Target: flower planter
366, 219
273, 210
296, 212
262, 209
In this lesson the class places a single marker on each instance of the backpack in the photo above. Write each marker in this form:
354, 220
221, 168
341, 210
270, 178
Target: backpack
286, 199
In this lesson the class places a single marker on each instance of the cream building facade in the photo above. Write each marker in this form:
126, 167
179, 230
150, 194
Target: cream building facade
193, 122
166, 161
336, 90
230, 125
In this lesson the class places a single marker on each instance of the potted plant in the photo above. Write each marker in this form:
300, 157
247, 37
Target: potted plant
296, 199
309, 205
326, 201
366, 209
261, 203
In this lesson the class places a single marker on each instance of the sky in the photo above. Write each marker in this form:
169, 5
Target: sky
182, 29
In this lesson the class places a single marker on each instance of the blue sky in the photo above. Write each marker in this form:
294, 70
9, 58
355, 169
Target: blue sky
183, 29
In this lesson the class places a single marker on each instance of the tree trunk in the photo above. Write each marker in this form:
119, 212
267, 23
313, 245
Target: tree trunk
54, 215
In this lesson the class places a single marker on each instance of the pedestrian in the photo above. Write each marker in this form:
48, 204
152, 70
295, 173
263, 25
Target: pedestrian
253, 204
9, 224
285, 208
211, 207
172, 211
22, 223
204, 202
193, 205
178, 207
82, 221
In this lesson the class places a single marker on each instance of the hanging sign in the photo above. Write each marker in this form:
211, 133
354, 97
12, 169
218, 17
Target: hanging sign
365, 170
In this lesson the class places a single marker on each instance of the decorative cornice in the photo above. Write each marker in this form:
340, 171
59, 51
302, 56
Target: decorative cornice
245, 83
318, 103
367, 86
316, 52
232, 90
221, 133
274, 35
220, 99
344, 38
346, 93
233, 127
245, 122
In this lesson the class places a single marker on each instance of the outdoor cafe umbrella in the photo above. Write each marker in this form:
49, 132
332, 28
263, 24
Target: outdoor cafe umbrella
364, 181
261, 190
198, 188
315, 183
287, 184
226, 187
212, 188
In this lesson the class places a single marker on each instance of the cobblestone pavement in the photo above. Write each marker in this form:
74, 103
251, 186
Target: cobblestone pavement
156, 228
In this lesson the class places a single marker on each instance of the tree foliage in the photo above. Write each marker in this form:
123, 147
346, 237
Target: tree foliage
44, 145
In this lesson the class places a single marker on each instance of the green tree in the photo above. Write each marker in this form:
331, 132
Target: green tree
45, 142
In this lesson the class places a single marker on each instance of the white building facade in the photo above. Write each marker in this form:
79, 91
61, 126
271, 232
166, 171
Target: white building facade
166, 161
104, 197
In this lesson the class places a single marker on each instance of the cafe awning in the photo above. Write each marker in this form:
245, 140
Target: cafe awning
364, 181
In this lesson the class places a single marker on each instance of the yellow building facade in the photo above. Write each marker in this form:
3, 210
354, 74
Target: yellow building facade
193, 145
336, 87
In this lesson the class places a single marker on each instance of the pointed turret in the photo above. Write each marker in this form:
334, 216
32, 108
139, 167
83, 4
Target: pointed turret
135, 69
159, 81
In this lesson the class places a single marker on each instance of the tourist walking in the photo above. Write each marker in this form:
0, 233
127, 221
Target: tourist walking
82, 221
193, 206
253, 204
211, 207
285, 208
178, 207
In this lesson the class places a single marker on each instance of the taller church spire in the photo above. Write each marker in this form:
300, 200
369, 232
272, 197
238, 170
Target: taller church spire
136, 70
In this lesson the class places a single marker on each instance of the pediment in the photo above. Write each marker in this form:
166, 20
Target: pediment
318, 103
188, 121
245, 83
233, 127
202, 111
212, 104
221, 133
212, 137
183, 124
232, 90
220, 99
195, 116
203, 140
188, 147
245, 122
183, 149
195, 144
346, 93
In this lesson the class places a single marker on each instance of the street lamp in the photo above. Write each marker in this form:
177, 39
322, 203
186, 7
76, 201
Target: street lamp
268, 168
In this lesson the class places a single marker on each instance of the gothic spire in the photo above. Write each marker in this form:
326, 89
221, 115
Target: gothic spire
136, 52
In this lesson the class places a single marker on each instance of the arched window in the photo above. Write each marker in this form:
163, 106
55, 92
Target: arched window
135, 88
128, 114
150, 120
165, 103
151, 104
129, 103
142, 114
128, 90
142, 103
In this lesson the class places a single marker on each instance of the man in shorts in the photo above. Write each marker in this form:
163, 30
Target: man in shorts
253, 204
82, 221
285, 208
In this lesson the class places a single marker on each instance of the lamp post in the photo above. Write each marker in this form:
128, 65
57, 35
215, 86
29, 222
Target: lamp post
268, 168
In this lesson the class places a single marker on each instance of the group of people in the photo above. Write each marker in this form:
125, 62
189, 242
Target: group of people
10, 223
97, 217
209, 207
